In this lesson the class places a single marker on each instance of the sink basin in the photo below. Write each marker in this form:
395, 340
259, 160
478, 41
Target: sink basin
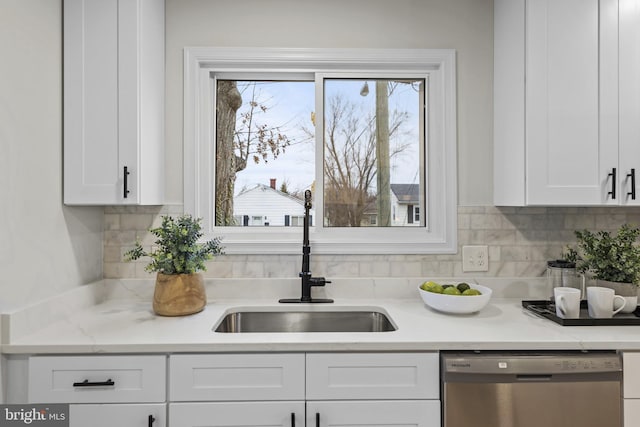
253, 320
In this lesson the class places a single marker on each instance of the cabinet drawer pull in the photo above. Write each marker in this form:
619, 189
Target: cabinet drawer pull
86, 383
126, 182
151, 420
614, 177
317, 419
632, 176
293, 419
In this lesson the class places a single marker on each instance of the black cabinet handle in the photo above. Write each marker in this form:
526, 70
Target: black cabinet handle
632, 175
293, 419
126, 182
86, 383
317, 419
151, 420
614, 177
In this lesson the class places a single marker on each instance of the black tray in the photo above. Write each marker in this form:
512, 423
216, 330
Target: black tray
547, 309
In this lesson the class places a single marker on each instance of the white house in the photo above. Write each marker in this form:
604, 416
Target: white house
263, 205
405, 204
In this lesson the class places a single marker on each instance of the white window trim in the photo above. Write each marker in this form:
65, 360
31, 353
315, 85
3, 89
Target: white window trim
440, 235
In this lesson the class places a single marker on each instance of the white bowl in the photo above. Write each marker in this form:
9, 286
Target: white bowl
458, 304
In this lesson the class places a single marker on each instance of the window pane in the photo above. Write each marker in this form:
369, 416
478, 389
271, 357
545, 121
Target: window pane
264, 151
373, 134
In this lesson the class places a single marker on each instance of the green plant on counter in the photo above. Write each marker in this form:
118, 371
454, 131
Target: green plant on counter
178, 250
615, 258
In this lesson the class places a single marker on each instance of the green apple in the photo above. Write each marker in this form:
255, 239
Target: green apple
452, 290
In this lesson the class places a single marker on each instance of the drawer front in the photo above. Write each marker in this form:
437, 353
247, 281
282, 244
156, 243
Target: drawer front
97, 379
226, 377
631, 375
332, 376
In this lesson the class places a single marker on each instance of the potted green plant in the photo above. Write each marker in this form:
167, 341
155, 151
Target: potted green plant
612, 260
177, 259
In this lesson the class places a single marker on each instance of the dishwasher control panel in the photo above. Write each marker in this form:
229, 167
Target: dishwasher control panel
534, 363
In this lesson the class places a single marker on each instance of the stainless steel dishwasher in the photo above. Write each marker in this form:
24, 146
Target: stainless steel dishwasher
527, 389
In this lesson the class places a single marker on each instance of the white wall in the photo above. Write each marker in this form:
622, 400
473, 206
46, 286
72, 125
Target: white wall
45, 248
464, 25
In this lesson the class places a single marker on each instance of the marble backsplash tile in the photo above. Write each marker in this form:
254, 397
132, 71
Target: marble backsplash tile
520, 242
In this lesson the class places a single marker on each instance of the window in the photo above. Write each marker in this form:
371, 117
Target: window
297, 221
397, 104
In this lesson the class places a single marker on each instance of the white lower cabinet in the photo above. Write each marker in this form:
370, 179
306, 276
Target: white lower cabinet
102, 391
240, 414
401, 413
109, 415
304, 390
241, 389
631, 413
366, 413
631, 388
364, 389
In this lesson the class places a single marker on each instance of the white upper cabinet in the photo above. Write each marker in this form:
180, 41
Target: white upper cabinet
629, 74
559, 133
113, 102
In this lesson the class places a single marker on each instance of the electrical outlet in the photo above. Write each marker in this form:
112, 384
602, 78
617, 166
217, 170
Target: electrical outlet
475, 258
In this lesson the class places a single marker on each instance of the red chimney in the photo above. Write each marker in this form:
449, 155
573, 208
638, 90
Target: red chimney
272, 183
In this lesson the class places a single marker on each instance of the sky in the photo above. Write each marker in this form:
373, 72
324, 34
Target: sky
290, 106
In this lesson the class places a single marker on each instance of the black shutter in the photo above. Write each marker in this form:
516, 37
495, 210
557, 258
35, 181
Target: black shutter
410, 214
310, 220
245, 220
287, 220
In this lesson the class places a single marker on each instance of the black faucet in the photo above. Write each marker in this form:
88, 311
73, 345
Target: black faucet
307, 280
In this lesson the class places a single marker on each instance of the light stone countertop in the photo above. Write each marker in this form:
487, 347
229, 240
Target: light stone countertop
115, 316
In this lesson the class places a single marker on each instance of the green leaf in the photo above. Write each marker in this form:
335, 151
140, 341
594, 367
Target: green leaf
607, 257
178, 250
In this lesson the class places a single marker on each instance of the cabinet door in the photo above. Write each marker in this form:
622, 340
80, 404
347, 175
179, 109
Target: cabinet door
571, 102
401, 413
141, 100
631, 412
231, 414
113, 102
91, 173
147, 415
629, 100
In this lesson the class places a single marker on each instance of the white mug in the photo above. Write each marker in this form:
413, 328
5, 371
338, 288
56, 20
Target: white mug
629, 306
600, 302
567, 302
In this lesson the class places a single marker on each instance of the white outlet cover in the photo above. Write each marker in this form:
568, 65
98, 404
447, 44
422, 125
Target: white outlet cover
475, 258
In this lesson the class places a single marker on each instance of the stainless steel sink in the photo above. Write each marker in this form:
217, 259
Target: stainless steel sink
249, 320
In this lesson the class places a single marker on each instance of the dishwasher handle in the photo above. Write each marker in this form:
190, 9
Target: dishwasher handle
534, 377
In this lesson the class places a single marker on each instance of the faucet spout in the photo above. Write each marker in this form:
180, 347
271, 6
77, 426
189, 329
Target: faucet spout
307, 279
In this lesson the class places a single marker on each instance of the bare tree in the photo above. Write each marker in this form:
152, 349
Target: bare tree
228, 102
241, 137
254, 139
351, 166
